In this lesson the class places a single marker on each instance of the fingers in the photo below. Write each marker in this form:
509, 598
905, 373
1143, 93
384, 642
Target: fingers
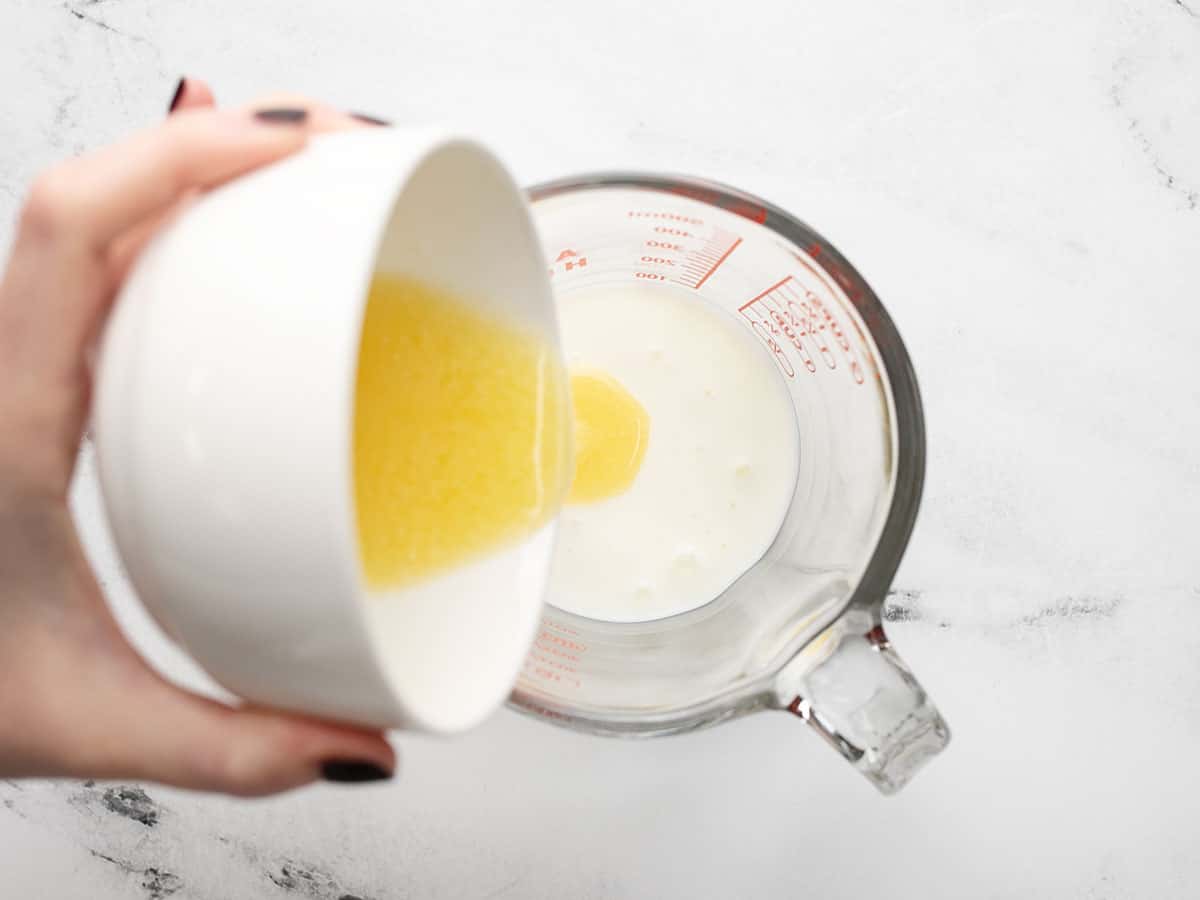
116, 719
97, 197
191, 742
60, 281
91, 200
126, 249
76, 700
321, 117
191, 93
87, 220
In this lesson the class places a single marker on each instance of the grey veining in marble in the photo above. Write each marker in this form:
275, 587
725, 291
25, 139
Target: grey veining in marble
1020, 183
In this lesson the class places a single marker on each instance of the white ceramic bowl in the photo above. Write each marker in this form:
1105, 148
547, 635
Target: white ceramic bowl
223, 423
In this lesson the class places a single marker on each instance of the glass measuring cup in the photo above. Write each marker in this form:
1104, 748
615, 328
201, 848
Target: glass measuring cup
801, 629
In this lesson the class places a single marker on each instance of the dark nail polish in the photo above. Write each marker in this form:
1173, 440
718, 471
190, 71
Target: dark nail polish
370, 120
351, 771
178, 95
283, 115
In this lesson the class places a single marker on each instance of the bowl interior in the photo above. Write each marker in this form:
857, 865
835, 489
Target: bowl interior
452, 645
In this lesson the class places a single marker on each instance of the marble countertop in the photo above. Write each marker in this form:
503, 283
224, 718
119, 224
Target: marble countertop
1020, 183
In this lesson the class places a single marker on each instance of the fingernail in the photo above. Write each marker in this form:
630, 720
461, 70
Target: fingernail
178, 95
283, 115
370, 120
352, 771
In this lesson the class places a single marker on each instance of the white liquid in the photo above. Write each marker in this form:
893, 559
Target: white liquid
719, 470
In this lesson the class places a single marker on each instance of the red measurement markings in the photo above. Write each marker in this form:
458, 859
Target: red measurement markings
668, 216
711, 256
756, 311
678, 243
831, 321
568, 260
537, 667
668, 247
790, 316
555, 658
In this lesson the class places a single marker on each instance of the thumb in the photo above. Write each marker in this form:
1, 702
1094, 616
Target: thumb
192, 742
191, 93
77, 700
138, 726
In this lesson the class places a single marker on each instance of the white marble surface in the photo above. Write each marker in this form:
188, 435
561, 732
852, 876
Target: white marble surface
1021, 184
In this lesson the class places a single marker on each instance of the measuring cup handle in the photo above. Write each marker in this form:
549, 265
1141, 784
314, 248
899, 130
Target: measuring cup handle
862, 699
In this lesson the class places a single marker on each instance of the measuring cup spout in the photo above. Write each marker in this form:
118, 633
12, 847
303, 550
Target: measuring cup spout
852, 688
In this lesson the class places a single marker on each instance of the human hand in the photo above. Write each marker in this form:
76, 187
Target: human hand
75, 698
